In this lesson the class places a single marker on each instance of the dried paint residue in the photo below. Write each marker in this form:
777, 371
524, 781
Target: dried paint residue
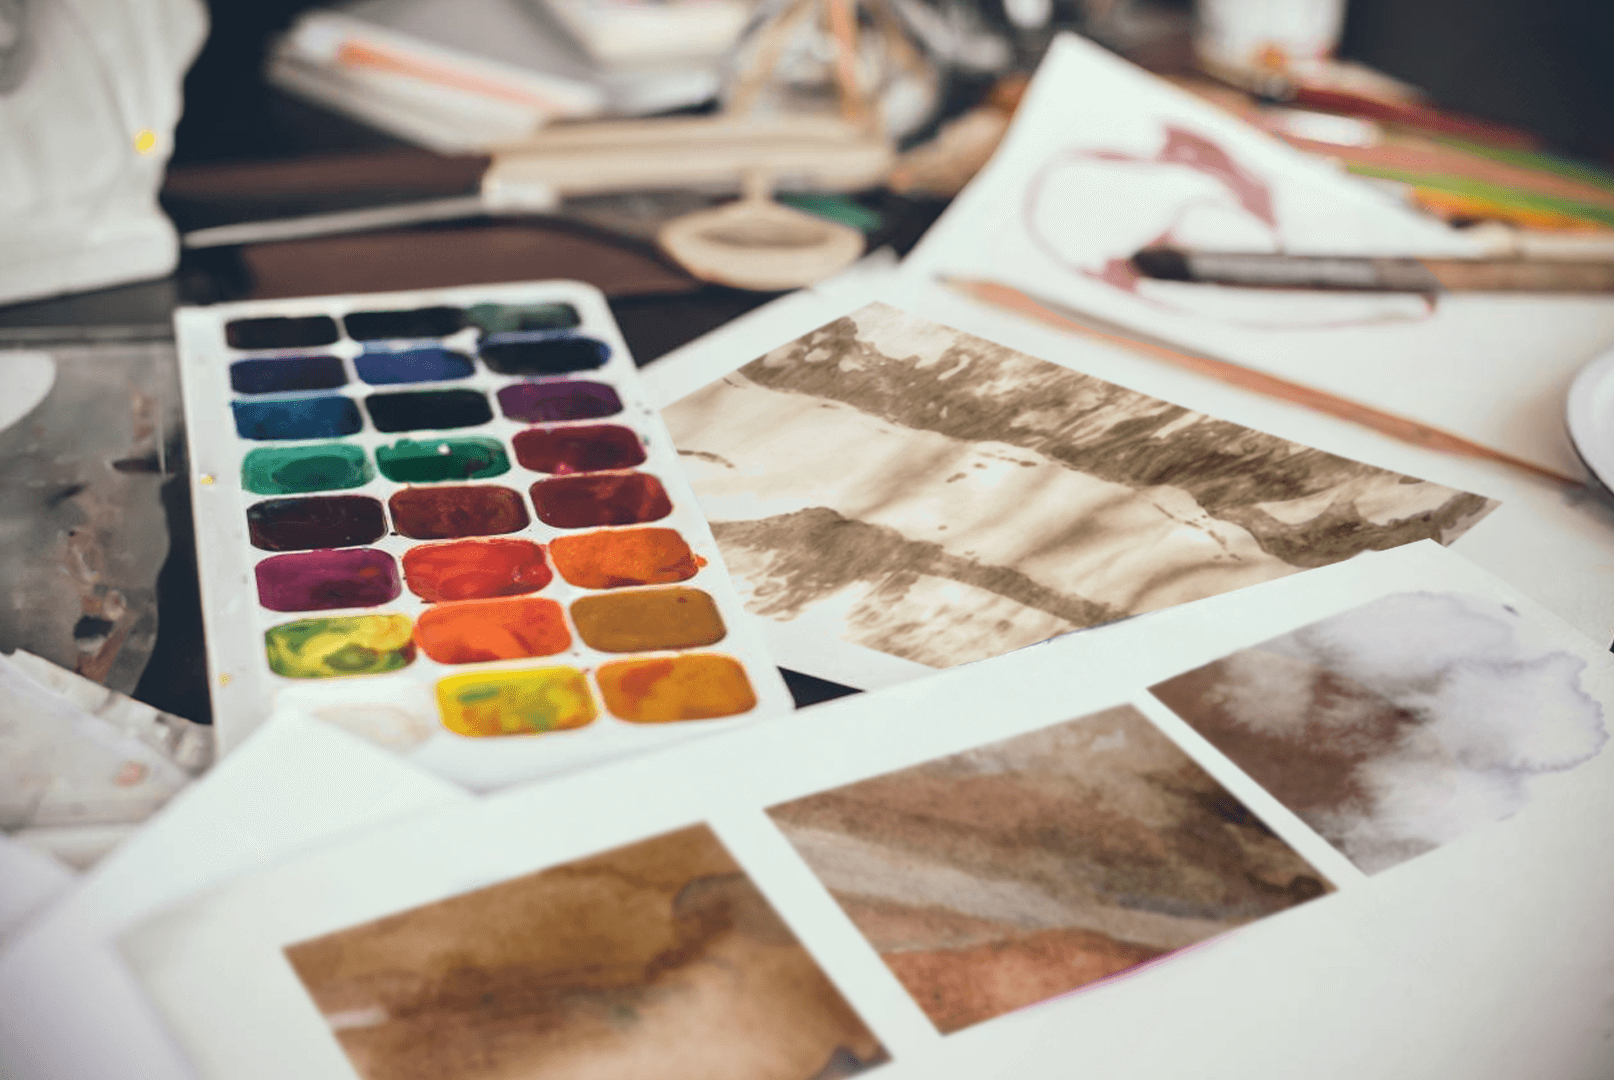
609, 560
296, 470
584, 502
341, 645
475, 569
660, 959
322, 580
330, 521
580, 449
676, 688
485, 703
409, 461
549, 402
647, 619
448, 513
474, 630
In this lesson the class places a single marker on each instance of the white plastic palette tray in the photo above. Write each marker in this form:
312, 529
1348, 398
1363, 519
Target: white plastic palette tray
396, 693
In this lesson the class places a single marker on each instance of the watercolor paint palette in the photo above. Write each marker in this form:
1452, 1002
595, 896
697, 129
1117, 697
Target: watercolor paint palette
449, 517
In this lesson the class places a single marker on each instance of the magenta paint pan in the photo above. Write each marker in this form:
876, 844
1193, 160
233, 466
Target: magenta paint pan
324, 580
553, 402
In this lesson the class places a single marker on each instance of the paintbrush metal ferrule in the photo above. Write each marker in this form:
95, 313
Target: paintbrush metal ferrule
1269, 271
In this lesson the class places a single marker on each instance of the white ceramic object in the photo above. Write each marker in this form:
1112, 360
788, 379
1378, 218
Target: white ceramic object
27, 377
1591, 416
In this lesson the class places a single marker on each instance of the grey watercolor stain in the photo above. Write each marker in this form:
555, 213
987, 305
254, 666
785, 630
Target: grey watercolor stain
1398, 726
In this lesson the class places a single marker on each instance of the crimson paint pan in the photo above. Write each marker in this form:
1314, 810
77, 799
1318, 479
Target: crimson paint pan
592, 500
579, 448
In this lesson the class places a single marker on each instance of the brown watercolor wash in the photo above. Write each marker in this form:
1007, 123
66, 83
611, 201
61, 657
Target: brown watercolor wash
659, 959
1017, 871
941, 498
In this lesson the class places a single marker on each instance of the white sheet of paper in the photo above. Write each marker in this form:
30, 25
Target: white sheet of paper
68, 1008
1491, 367
29, 882
1490, 957
1104, 158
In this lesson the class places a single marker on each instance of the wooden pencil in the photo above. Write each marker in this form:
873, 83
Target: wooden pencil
1406, 430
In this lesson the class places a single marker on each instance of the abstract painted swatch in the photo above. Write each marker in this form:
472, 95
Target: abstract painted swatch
943, 499
1399, 725
657, 959
1020, 870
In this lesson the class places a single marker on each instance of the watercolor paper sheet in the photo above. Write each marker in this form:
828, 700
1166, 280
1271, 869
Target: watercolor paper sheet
1103, 158
910, 489
1029, 862
69, 1009
1399, 725
30, 881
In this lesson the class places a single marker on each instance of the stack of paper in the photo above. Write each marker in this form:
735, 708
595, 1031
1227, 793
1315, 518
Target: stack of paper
472, 74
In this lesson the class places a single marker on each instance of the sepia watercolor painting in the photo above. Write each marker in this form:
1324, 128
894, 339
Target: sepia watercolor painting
1027, 868
1400, 725
913, 489
656, 960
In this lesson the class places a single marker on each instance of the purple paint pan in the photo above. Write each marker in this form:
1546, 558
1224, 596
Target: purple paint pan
322, 580
549, 402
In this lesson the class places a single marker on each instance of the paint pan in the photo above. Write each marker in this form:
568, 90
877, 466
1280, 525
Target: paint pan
280, 332
437, 321
297, 470
382, 367
455, 509
579, 449
296, 418
409, 461
279, 374
553, 402
428, 410
557, 354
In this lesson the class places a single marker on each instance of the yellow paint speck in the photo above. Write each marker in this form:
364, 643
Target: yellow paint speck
224, 680
205, 479
145, 140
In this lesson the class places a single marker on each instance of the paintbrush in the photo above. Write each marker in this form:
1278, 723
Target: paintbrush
1373, 273
1406, 430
